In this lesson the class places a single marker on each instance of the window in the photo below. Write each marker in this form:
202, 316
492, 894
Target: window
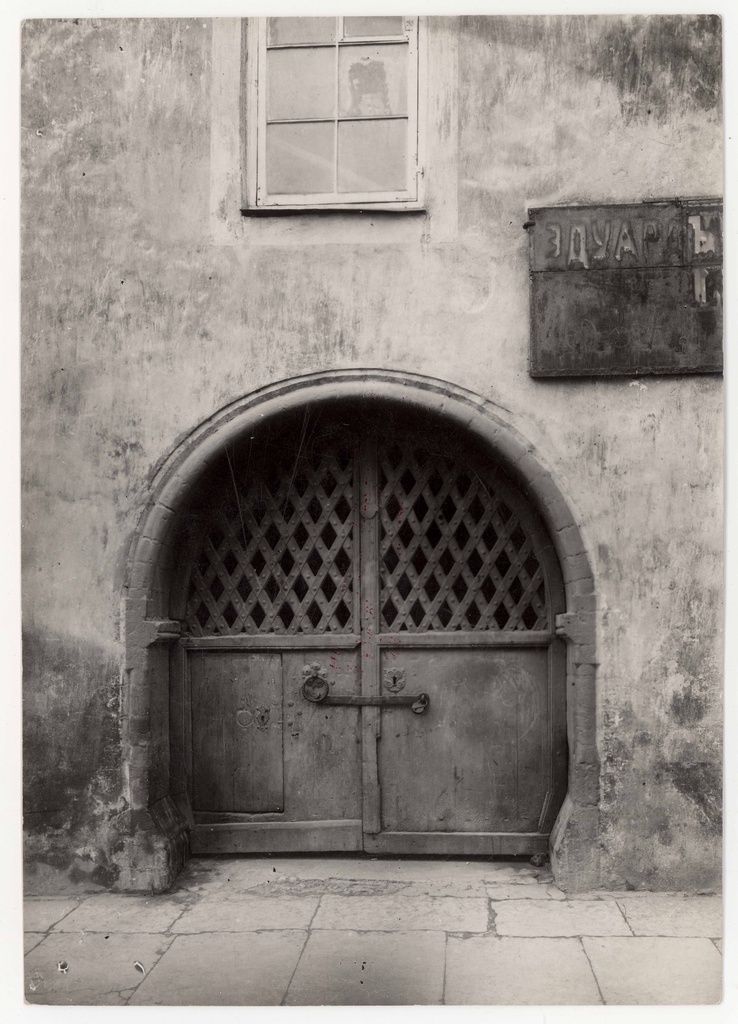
332, 113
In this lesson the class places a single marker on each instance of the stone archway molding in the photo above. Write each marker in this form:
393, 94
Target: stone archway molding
152, 845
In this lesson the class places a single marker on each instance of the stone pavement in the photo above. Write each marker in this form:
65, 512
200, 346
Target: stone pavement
337, 930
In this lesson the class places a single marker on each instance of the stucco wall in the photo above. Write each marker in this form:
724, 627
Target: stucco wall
147, 306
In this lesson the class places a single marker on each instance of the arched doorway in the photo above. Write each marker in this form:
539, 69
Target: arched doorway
369, 658
411, 545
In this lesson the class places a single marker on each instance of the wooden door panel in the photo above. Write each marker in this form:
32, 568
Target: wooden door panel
478, 760
322, 745
237, 732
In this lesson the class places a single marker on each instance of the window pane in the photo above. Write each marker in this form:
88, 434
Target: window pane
304, 30
372, 80
372, 156
301, 83
372, 26
300, 158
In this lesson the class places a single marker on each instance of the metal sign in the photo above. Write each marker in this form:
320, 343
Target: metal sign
626, 289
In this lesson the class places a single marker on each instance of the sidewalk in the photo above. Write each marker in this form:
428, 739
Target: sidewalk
324, 930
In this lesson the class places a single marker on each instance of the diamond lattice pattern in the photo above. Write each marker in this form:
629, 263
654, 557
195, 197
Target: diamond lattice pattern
280, 560
453, 555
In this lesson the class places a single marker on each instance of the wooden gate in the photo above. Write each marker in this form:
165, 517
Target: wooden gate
335, 581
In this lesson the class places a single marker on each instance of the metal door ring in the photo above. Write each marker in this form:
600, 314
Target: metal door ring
315, 683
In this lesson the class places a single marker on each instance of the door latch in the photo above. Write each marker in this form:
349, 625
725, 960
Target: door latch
315, 689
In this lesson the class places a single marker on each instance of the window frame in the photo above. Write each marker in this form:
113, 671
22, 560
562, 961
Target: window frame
257, 201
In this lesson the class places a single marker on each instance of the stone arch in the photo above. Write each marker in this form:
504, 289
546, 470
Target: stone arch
154, 844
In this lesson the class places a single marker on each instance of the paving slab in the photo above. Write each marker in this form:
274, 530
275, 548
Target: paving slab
593, 896
115, 912
461, 890
718, 944
338, 886
243, 913
652, 971
689, 916
524, 892
541, 918
206, 874
621, 894
521, 875
246, 872
401, 913
99, 970
41, 914
31, 940
223, 969
290, 886
494, 971
349, 968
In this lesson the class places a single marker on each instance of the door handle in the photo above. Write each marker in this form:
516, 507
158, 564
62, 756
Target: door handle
315, 689
416, 702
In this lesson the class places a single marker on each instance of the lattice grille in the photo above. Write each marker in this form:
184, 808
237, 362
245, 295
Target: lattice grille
453, 555
281, 560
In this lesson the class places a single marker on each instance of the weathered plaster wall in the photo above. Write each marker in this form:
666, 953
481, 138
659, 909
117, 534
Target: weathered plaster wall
141, 317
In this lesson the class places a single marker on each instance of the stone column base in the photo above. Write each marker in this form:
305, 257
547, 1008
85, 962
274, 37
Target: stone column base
575, 848
154, 850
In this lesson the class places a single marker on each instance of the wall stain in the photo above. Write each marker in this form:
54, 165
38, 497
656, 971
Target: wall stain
701, 783
642, 738
664, 832
689, 706
651, 61
72, 747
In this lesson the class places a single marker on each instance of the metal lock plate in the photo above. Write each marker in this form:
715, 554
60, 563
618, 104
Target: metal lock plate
394, 679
